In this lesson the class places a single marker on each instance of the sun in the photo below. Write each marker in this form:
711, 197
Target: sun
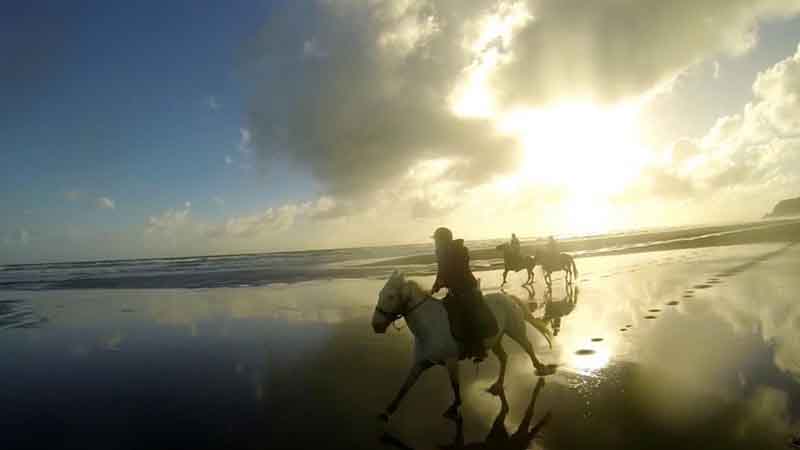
581, 147
585, 153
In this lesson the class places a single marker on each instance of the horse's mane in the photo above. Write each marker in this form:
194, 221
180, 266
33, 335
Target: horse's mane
414, 286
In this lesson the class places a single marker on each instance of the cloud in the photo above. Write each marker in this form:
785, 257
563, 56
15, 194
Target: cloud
271, 220
212, 103
105, 203
358, 94
759, 147
424, 209
85, 199
73, 195
275, 220
245, 140
21, 236
228, 160
611, 50
170, 220
745, 159
217, 200
377, 102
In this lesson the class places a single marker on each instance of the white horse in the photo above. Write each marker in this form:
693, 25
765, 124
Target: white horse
555, 263
434, 344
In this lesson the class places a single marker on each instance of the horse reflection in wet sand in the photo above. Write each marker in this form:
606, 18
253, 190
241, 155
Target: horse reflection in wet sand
555, 310
434, 343
498, 437
515, 263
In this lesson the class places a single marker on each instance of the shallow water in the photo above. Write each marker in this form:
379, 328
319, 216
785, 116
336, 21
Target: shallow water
298, 366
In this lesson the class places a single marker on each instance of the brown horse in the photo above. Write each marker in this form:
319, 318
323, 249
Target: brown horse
512, 262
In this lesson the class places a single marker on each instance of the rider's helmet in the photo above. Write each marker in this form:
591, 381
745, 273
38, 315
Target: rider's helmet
442, 234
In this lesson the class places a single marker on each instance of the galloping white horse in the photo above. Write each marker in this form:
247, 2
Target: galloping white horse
434, 344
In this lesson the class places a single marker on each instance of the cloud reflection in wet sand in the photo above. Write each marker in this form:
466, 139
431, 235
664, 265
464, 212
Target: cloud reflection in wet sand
299, 367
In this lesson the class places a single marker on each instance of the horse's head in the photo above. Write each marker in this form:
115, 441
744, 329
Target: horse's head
392, 301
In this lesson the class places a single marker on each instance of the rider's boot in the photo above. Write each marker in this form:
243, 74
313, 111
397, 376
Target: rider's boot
478, 352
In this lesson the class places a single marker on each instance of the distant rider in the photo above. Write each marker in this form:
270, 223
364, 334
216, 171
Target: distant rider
454, 274
552, 249
515, 248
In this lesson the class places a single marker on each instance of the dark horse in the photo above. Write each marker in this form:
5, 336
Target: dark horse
554, 263
516, 263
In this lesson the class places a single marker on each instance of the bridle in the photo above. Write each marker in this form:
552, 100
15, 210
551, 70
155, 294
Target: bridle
394, 315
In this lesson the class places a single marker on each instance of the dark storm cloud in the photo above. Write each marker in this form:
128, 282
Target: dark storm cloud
357, 93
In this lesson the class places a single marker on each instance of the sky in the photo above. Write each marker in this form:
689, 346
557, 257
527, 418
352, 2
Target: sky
183, 128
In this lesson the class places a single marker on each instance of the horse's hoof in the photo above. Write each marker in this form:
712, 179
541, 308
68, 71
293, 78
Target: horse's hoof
383, 417
495, 389
546, 370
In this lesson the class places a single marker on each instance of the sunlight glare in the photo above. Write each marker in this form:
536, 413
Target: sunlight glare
591, 363
580, 146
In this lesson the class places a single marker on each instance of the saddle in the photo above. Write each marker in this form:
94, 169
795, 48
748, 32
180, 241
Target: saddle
469, 317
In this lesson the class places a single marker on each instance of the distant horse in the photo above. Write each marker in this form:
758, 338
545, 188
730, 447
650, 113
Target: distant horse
555, 263
434, 343
513, 262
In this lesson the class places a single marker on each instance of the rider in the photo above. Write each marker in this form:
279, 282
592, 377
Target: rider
552, 248
515, 250
454, 274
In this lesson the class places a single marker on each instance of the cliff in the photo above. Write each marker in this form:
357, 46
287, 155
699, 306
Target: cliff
789, 207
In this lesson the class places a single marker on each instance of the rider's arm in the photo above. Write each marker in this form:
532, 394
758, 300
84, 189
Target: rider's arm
437, 284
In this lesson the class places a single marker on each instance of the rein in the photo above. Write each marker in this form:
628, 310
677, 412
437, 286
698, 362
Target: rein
393, 316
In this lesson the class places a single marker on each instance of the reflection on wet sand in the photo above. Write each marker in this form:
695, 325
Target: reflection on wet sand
554, 311
17, 313
299, 366
498, 437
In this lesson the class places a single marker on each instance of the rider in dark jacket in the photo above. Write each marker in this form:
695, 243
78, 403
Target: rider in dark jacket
454, 274
515, 248
453, 261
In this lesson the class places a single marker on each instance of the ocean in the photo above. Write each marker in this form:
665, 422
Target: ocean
257, 269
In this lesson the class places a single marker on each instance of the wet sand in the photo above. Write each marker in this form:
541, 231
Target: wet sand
298, 366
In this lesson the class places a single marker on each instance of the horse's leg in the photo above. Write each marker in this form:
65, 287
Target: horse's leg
522, 340
497, 387
413, 374
452, 412
505, 272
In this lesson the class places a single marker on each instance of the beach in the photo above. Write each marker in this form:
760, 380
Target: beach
687, 348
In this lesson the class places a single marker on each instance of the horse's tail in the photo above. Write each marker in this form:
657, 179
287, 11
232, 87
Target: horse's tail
574, 267
539, 324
